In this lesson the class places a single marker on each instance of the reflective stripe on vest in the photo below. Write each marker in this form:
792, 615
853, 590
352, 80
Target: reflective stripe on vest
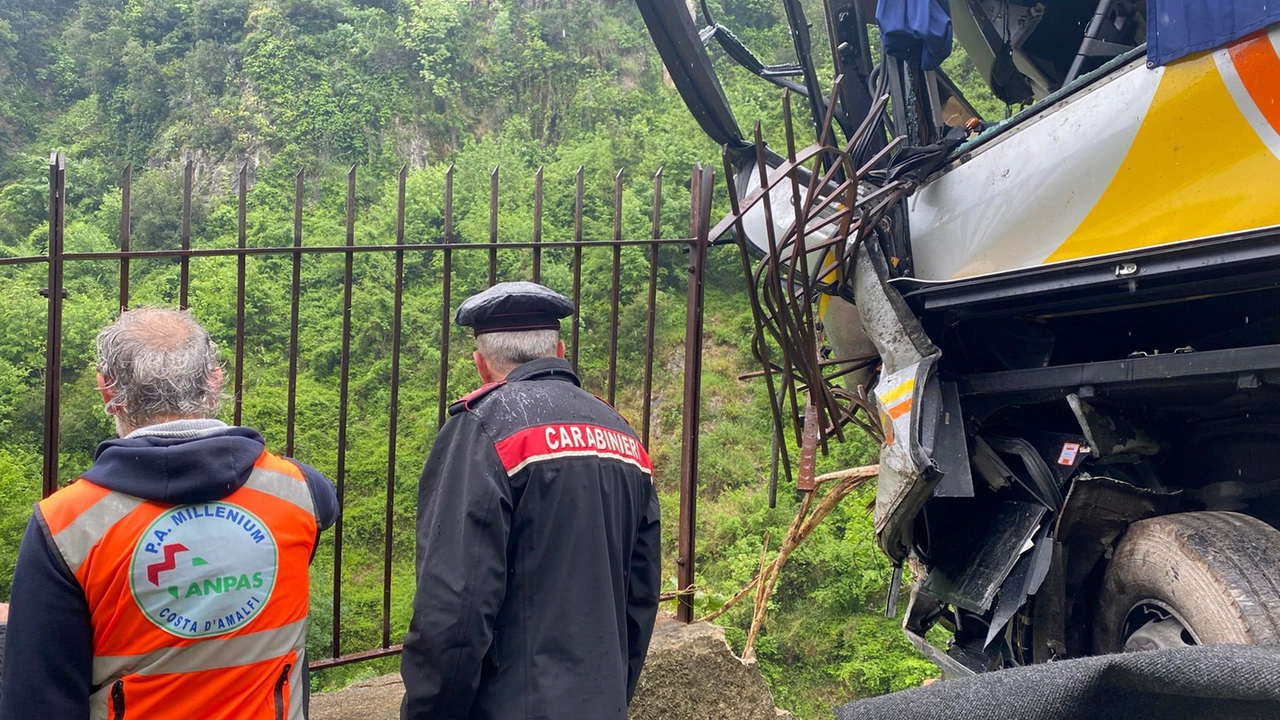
196, 609
206, 655
100, 701
78, 538
282, 486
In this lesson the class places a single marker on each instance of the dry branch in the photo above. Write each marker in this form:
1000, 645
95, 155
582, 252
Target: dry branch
749, 651
676, 594
801, 526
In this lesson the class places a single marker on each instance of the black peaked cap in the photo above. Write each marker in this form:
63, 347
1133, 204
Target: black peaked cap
514, 307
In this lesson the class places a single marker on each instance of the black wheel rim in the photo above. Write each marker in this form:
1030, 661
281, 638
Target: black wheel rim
1153, 625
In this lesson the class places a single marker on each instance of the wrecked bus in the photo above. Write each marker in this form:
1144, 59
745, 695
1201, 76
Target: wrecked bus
1063, 326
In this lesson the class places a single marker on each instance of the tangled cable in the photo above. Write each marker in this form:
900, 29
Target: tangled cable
836, 204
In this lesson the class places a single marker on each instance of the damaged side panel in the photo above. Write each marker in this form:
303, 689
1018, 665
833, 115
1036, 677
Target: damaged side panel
984, 544
910, 400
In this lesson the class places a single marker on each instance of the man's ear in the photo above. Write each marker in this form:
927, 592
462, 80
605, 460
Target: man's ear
560, 349
216, 379
105, 389
486, 373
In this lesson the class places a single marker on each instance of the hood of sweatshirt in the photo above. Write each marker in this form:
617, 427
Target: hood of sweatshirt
178, 471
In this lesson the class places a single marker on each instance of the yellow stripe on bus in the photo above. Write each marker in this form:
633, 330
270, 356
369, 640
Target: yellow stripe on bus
887, 398
1196, 168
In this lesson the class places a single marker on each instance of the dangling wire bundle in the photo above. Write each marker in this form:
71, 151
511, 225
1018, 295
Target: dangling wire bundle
836, 204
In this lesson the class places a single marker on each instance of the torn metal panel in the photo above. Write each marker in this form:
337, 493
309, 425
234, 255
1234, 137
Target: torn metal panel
923, 610
1024, 581
1043, 485
1097, 510
1049, 620
910, 397
988, 542
950, 667
1110, 435
951, 450
990, 467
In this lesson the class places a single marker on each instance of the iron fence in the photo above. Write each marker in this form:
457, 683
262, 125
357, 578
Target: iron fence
696, 244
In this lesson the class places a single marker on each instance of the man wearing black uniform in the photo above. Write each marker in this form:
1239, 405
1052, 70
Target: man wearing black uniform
538, 543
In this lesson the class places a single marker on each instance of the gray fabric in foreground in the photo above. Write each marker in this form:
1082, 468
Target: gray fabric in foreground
1239, 682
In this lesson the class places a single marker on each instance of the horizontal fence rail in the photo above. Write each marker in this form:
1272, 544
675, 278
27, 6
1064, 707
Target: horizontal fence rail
450, 251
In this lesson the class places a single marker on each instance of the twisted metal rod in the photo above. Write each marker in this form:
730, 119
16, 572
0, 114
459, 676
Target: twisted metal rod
784, 285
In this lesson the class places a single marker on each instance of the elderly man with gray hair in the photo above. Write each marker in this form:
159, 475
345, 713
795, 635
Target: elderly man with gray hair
171, 579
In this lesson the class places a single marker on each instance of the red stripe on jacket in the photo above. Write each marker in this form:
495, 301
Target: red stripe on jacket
564, 440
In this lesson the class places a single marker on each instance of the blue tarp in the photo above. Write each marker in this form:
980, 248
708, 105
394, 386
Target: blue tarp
918, 30
1179, 27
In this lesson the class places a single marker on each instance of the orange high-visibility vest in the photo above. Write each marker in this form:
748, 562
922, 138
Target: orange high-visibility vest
199, 611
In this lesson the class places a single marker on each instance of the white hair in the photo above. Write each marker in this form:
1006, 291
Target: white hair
505, 351
161, 364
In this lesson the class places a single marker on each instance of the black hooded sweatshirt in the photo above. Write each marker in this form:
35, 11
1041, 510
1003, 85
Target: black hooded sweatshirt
49, 649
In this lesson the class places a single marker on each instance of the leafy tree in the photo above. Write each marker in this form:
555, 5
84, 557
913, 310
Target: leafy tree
316, 86
221, 21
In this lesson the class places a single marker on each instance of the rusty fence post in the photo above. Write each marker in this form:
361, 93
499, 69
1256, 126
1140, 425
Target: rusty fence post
700, 221
184, 261
126, 209
446, 299
393, 420
615, 289
651, 321
344, 382
53, 334
577, 269
493, 227
537, 226
295, 300
242, 236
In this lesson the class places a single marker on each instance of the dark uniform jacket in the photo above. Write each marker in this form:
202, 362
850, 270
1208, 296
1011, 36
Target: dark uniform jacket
537, 559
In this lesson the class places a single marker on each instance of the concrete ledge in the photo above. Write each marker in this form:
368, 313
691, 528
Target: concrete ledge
690, 674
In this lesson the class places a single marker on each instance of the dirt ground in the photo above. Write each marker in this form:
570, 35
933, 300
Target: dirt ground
376, 699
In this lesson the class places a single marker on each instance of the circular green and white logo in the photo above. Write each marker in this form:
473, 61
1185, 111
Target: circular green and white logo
204, 569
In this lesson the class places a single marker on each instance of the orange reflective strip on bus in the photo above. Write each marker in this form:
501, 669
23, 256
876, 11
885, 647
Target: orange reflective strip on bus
900, 409
1258, 66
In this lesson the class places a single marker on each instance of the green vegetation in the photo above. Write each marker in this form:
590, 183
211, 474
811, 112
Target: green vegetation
320, 85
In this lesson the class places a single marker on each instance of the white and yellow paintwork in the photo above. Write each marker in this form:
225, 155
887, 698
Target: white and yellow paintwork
1142, 157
